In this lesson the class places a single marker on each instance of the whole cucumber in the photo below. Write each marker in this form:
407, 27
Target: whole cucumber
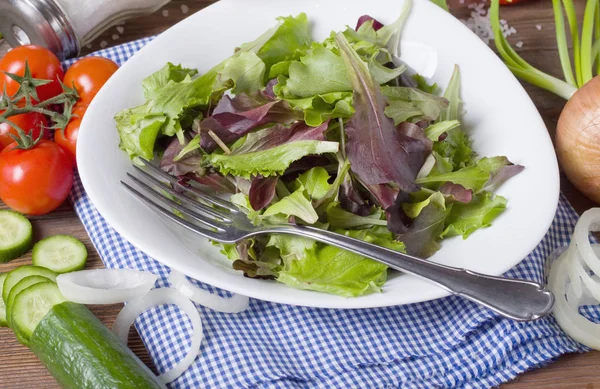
81, 353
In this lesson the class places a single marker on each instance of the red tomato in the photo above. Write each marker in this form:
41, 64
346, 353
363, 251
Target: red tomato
79, 110
35, 181
89, 75
67, 139
42, 63
32, 123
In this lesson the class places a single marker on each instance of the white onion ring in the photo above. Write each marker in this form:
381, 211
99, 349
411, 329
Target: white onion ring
105, 286
153, 298
575, 325
237, 303
588, 222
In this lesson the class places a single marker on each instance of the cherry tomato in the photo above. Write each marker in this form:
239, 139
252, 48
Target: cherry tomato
32, 123
79, 110
89, 75
68, 139
42, 63
35, 181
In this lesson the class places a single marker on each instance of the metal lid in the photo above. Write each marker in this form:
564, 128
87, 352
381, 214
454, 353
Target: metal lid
39, 22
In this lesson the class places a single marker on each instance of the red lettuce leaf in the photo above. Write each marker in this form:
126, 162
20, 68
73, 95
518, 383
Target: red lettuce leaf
457, 192
383, 195
378, 152
351, 200
215, 181
365, 18
234, 118
190, 163
397, 220
262, 191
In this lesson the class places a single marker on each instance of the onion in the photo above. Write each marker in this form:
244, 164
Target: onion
573, 285
578, 129
154, 298
105, 286
578, 139
237, 303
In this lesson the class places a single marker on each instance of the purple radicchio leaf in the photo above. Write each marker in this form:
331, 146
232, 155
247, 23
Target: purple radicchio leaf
262, 191
234, 118
365, 18
378, 152
190, 163
457, 192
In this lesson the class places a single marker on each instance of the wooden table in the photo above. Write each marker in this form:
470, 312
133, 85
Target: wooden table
20, 369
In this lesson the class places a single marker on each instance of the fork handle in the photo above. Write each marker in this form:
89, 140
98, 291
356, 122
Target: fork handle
520, 300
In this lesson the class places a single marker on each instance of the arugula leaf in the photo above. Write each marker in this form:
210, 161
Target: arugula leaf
472, 177
452, 94
436, 130
464, 219
422, 238
176, 73
377, 151
340, 218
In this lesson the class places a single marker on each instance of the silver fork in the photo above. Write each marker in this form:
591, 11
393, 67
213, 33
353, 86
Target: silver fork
220, 220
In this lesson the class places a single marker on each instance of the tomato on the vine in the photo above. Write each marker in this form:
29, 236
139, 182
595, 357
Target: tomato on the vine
37, 180
43, 64
67, 139
31, 123
89, 75
79, 110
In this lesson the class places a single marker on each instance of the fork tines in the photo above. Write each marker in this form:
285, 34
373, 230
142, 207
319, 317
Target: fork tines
188, 206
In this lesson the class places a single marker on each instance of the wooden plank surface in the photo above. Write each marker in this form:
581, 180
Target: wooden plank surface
20, 369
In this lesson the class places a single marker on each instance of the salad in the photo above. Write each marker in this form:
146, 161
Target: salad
336, 134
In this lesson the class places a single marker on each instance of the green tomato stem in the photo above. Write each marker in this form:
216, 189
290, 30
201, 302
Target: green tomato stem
561, 39
587, 34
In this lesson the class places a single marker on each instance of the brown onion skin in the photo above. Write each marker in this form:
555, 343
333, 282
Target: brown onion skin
578, 139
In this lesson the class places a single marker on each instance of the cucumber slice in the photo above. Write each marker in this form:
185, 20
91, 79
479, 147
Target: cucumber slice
60, 253
31, 305
21, 272
3, 322
15, 235
81, 353
21, 285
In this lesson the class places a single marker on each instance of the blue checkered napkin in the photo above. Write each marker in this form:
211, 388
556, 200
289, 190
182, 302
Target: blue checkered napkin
446, 343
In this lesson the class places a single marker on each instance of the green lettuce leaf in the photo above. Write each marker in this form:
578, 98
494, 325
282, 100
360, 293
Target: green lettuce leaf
456, 149
296, 204
410, 103
452, 94
269, 162
424, 85
472, 177
320, 108
282, 42
464, 219
246, 70
332, 270
176, 73
315, 181
138, 132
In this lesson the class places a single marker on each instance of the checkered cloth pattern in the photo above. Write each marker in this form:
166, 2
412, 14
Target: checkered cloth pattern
446, 343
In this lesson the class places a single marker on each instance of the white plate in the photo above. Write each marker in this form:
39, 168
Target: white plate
500, 115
